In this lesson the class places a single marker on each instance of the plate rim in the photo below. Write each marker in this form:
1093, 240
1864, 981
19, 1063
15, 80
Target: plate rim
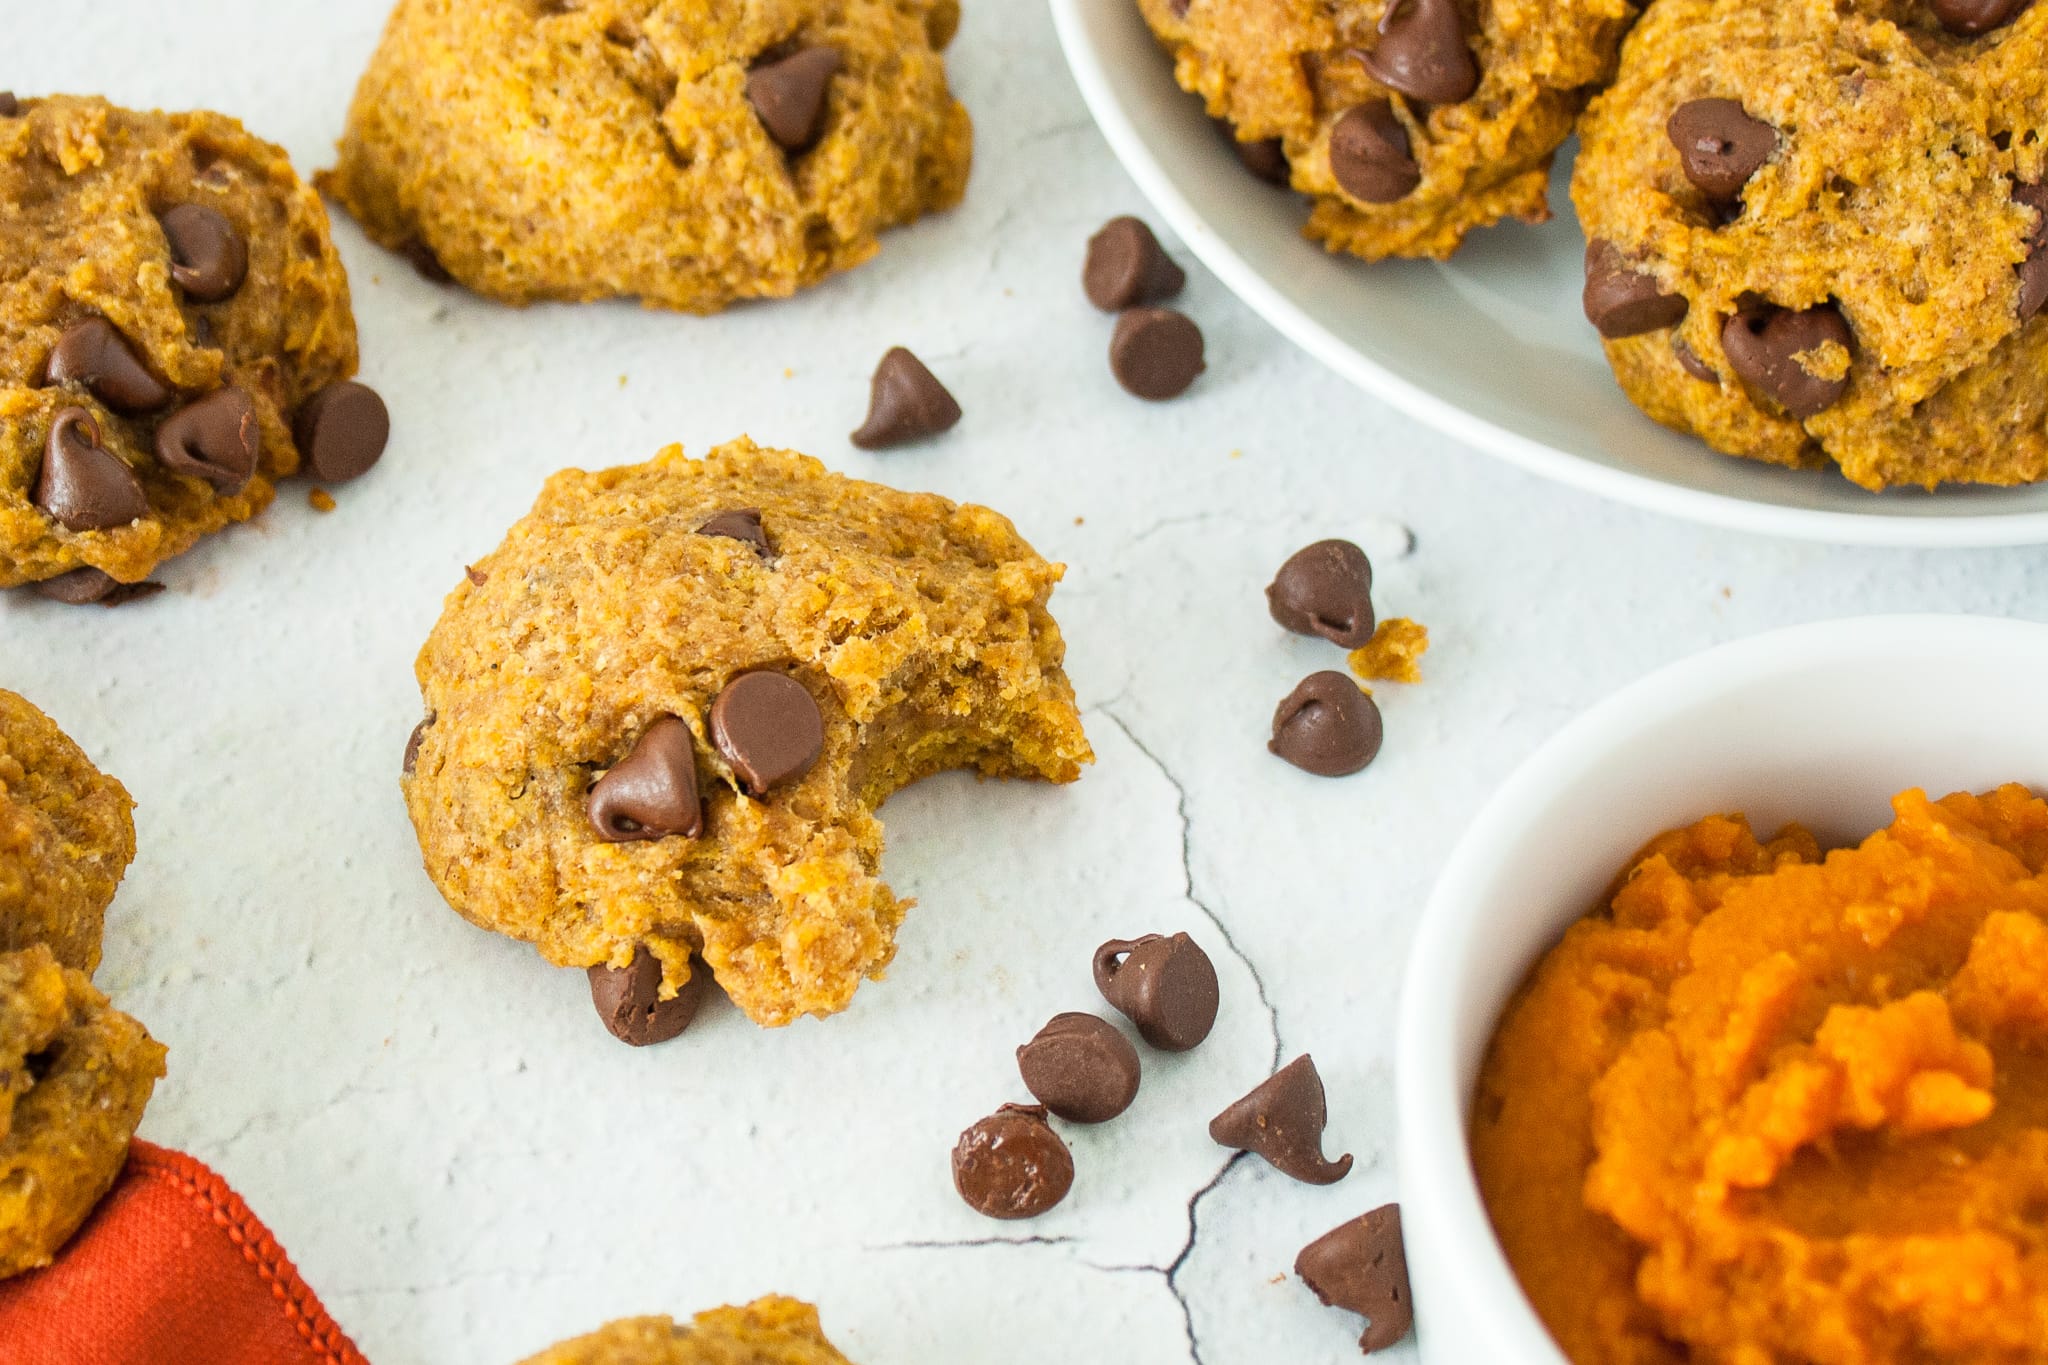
1874, 529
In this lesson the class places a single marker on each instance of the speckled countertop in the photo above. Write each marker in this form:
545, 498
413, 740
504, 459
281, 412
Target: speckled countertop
462, 1162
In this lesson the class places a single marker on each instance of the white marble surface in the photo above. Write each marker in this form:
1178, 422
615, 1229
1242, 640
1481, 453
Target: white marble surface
464, 1165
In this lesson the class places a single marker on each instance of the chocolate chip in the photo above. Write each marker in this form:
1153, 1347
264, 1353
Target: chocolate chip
2033, 271
1265, 158
84, 486
1327, 726
9, 106
628, 999
651, 793
1155, 353
208, 256
1692, 364
1165, 986
1974, 18
1126, 266
769, 728
1363, 1268
741, 524
424, 262
1080, 1068
789, 95
215, 439
94, 353
1764, 343
82, 586
1282, 1120
1325, 589
341, 431
477, 577
1622, 301
1370, 154
1012, 1164
1720, 145
412, 745
1422, 52
906, 402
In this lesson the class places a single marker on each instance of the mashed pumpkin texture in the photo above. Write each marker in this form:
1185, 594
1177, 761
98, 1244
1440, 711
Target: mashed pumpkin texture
1774, 1108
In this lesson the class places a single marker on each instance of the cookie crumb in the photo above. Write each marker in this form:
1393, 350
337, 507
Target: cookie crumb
320, 500
622, 381
1394, 653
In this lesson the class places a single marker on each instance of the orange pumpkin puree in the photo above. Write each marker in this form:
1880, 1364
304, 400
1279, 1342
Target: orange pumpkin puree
1770, 1108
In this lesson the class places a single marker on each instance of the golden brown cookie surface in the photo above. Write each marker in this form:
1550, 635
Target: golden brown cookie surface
152, 268
1409, 122
66, 837
844, 640
1845, 255
768, 1331
683, 153
75, 1074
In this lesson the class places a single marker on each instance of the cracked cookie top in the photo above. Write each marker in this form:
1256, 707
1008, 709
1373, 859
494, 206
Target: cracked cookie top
663, 712
168, 299
686, 154
768, 1331
66, 837
75, 1074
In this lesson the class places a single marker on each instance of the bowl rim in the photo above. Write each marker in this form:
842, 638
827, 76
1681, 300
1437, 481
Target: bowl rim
1432, 1142
1961, 530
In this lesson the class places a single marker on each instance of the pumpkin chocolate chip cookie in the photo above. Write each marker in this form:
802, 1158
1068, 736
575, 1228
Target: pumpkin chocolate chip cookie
660, 716
1409, 122
169, 303
66, 837
686, 154
769, 1331
75, 1074
1817, 233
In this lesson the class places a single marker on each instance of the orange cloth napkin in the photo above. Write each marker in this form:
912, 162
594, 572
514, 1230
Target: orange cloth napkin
171, 1269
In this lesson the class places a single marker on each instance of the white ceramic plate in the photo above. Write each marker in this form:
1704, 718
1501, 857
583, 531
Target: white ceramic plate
1783, 726
1491, 347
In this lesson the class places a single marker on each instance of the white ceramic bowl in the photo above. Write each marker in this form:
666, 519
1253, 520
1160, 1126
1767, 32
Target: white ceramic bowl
1820, 724
1491, 347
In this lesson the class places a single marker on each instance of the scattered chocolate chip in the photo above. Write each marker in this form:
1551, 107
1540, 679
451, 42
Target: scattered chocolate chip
424, 262
1265, 158
741, 524
1327, 726
1622, 301
1422, 52
1325, 589
1155, 353
1080, 1068
1692, 364
1012, 1164
83, 485
1165, 986
341, 431
628, 999
769, 728
1371, 156
215, 439
94, 353
1363, 1268
9, 106
82, 586
2033, 271
906, 402
1127, 266
1720, 145
1764, 342
651, 793
208, 256
412, 745
1282, 1120
788, 95
1975, 18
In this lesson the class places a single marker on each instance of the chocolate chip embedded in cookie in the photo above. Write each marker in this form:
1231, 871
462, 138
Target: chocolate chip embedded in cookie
769, 1331
697, 154
75, 1074
169, 298
630, 638
66, 837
